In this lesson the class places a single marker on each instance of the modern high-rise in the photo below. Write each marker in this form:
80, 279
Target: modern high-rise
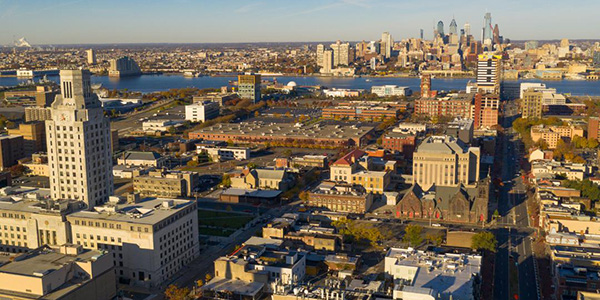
387, 44
440, 28
249, 87
78, 143
124, 66
320, 51
487, 28
91, 56
341, 54
327, 61
445, 161
453, 27
467, 28
489, 70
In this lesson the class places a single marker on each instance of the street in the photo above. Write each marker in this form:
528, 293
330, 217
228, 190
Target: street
513, 231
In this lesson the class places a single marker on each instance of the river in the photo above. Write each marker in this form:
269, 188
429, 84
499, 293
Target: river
152, 83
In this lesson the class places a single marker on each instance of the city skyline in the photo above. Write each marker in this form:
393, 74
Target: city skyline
186, 21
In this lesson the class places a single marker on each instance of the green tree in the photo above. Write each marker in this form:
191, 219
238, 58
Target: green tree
230, 142
192, 163
412, 235
436, 239
484, 241
172, 130
251, 165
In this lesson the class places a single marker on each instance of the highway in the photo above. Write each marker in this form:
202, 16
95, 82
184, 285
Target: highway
513, 231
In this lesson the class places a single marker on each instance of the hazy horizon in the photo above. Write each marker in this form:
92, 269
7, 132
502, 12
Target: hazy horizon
75, 22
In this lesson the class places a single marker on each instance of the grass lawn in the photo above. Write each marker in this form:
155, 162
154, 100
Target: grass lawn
225, 220
215, 231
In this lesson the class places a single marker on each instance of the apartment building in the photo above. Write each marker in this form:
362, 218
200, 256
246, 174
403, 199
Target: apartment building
486, 110
452, 105
149, 240
552, 134
201, 111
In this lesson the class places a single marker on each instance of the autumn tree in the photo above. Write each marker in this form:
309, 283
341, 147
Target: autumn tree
173, 292
484, 241
412, 235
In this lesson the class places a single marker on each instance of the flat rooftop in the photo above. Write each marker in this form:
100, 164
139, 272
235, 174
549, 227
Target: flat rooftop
290, 130
39, 263
147, 212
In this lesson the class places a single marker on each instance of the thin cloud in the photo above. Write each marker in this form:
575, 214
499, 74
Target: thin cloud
247, 8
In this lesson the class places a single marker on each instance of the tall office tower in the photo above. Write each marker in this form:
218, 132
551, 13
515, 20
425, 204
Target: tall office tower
91, 56
78, 143
327, 61
421, 34
496, 35
123, 66
249, 87
440, 28
489, 71
426, 86
361, 49
320, 49
453, 27
467, 28
487, 28
387, 44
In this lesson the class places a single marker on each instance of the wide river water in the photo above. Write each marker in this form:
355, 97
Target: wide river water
152, 83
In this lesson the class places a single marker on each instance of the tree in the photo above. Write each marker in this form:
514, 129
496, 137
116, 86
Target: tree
303, 196
436, 239
192, 163
484, 241
207, 278
496, 214
173, 292
251, 165
226, 181
17, 170
287, 152
172, 130
412, 235
256, 114
230, 142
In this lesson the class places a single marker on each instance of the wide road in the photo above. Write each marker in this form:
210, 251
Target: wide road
513, 231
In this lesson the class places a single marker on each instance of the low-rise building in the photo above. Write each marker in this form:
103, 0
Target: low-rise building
201, 111
38, 166
271, 179
551, 168
160, 125
61, 273
142, 159
399, 142
391, 90
11, 149
150, 240
219, 98
34, 136
341, 198
430, 276
162, 183
217, 153
258, 132
362, 112
358, 168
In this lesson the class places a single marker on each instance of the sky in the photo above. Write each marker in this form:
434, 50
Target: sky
228, 21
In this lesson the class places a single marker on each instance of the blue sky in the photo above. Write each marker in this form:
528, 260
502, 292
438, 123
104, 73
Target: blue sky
203, 21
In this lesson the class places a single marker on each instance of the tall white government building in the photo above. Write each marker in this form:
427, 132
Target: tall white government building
78, 140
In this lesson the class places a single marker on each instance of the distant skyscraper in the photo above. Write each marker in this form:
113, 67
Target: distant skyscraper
320, 50
453, 27
440, 28
387, 44
91, 56
78, 142
421, 34
327, 61
249, 86
487, 28
341, 53
123, 66
596, 59
467, 29
496, 34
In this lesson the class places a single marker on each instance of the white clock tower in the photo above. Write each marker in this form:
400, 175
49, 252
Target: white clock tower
78, 140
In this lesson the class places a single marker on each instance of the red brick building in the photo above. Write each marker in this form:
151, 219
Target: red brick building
486, 110
399, 142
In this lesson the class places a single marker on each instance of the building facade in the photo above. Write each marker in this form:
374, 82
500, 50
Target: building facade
489, 73
123, 66
249, 87
34, 137
78, 143
12, 148
201, 112
169, 184
486, 110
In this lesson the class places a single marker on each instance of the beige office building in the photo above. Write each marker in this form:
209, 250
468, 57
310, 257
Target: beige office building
67, 272
78, 142
171, 184
150, 240
34, 137
37, 114
445, 161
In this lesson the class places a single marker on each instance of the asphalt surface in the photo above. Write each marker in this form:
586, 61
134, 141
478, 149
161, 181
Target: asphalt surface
513, 232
